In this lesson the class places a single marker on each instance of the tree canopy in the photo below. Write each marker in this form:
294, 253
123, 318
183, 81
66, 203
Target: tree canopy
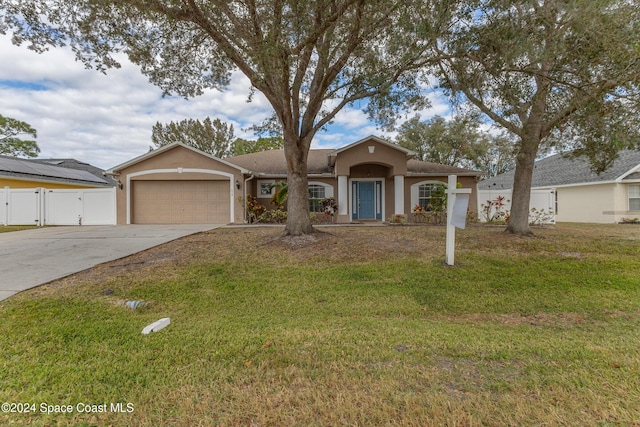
264, 143
210, 136
11, 138
309, 58
457, 142
547, 71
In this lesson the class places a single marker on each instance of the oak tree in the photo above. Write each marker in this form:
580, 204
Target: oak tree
309, 58
457, 142
548, 71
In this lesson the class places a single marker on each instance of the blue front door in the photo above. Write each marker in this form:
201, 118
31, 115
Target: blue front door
366, 200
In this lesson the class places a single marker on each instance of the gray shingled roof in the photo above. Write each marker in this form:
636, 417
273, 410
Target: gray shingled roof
418, 167
272, 162
32, 169
558, 170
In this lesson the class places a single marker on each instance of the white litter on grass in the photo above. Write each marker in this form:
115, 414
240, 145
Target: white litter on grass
134, 304
156, 326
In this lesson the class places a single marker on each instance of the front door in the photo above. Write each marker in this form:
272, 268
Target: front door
366, 200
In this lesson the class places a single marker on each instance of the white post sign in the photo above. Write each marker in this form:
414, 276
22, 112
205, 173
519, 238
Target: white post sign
457, 204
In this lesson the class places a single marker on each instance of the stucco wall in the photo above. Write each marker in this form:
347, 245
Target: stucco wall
588, 203
393, 158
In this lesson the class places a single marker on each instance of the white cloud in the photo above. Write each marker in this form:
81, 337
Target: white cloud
107, 119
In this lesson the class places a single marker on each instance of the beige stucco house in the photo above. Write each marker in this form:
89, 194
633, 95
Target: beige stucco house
582, 195
371, 180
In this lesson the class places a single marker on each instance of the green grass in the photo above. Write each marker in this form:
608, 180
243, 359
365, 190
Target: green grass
8, 228
365, 327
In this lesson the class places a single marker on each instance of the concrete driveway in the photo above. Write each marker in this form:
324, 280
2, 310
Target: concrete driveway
34, 257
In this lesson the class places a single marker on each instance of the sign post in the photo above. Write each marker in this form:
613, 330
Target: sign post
457, 204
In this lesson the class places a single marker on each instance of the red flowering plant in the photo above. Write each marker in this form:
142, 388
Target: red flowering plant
495, 210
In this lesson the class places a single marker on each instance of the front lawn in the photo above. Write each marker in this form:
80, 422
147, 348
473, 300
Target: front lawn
364, 327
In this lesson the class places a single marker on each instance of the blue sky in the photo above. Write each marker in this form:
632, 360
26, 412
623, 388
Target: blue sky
106, 120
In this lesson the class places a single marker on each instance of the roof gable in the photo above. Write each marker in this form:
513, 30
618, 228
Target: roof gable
370, 139
158, 151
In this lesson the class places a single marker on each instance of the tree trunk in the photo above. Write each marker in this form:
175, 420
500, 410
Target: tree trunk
521, 195
298, 219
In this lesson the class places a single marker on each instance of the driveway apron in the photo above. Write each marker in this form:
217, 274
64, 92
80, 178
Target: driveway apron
34, 257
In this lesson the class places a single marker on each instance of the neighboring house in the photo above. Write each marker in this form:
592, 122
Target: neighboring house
582, 195
51, 174
371, 180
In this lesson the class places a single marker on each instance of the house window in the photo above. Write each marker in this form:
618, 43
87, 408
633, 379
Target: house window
265, 189
430, 196
317, 192
634, 197
316, 195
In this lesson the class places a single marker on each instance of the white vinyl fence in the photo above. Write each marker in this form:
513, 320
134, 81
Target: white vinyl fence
42, 206
542, 205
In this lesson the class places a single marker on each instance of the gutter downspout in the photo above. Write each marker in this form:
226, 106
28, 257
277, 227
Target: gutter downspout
244, 207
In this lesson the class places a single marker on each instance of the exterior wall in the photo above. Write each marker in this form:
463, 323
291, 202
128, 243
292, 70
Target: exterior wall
390, 157
176, 159
587, 203
19, 183
265, 200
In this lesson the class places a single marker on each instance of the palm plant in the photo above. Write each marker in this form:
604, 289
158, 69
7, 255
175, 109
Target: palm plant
280, 195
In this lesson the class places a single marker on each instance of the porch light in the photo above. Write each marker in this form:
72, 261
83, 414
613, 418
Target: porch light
237, 184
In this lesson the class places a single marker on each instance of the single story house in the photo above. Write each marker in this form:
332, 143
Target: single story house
51, 174
582, 195
371, 180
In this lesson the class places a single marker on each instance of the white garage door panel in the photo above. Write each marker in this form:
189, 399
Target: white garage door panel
181, 202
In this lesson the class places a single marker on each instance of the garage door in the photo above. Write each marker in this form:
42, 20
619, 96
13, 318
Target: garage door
180, 202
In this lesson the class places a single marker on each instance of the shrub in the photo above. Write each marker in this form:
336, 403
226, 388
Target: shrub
540, 216
494, 210
275, 216
397, 219
254, 209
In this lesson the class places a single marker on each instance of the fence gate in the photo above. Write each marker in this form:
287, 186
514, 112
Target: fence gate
80, 207
41, 206
21, 206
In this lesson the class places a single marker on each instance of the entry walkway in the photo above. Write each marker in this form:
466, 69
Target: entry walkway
34, 257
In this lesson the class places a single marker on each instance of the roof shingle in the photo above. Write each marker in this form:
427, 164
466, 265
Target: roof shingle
559, 169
